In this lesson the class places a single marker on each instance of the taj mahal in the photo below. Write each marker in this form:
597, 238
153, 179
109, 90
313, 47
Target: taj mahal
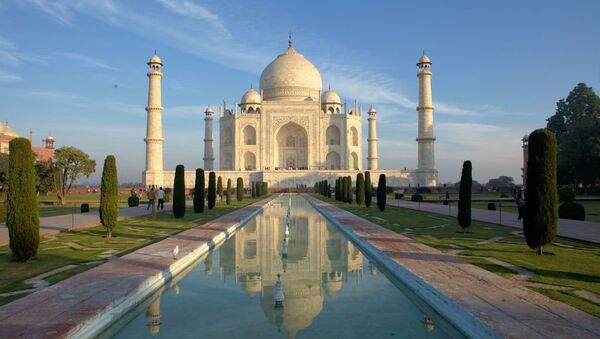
290, 132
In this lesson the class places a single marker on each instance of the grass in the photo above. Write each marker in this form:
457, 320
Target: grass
89, 245
592, 208
52, 211
577, 266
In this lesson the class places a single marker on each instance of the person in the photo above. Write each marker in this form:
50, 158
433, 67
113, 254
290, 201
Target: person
520, 201
161, 199
151, 196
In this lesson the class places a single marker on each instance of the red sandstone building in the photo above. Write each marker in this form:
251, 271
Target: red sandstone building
42, 153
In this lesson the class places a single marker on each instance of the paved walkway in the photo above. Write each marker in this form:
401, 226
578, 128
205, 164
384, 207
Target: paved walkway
505, 306
78, 307
61, 223
580, 230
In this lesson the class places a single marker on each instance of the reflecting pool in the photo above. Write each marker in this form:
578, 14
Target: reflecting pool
330, 289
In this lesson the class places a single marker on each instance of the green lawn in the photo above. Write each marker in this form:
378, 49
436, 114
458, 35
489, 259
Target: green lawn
90, 246
575, 265
592, 208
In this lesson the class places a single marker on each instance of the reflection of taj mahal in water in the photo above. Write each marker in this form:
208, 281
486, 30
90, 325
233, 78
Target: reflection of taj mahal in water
291, 132
317, 262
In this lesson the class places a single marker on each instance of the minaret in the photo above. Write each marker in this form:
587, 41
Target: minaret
154, 137
372, 139
425, 138
209, 156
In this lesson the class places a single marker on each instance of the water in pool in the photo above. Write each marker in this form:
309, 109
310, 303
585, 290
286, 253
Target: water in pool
330, 289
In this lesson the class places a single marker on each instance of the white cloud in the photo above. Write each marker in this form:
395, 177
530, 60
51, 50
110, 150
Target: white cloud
86, 60
194, 11
9, 77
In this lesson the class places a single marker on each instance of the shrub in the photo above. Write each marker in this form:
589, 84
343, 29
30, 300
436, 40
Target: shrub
399, 196
503, 195
228, 192
416, 197
84, 208
541, 215
424, 190
368, 189
219, 185
381, 193
571, 210
22, 218
491, 206
134, 201
566, 194
199, 191
445, 202
464, 196
179, 192
239, 190
109, 195
360, 189
212, 190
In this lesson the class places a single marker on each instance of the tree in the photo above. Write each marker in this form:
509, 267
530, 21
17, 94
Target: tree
501, 182
3, 171
337, 189
576, 125
381, 193
199, 191
22, 218
212, 190
179, 192
109, 195
541, 212
239, 190
228, 192
329, 190
464, 196
360, 189
253, 189
219, 186
368, 189
44, 172
70, 163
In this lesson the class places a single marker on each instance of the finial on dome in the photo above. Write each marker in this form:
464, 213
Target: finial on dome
290, 40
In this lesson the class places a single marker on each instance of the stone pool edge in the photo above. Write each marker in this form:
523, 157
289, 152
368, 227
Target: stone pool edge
101, 322
461, 319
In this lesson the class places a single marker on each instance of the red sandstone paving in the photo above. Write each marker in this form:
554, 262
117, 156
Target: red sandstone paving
61, 308
511, 310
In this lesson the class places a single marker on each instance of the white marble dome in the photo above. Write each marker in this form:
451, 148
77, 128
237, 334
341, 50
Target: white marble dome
424, 59
6, 130
331, 97
290, 77
155, 60
251, 97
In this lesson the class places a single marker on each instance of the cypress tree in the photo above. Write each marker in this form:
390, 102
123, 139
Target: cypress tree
329, 190
199, 191
360, 189
109, 195
381, 195
179, 192
265, 188
239, 190
464, 196
22, 218
228, 192
349, 190
541, 212
212, 191
219, 186
343, 189
368, 189
259, 188
336, 188
253, 189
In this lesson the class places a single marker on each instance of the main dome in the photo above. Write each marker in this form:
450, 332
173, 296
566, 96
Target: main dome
290, 77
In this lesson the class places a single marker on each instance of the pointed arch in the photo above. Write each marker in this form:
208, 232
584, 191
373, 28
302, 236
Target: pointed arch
249, 135
332, 135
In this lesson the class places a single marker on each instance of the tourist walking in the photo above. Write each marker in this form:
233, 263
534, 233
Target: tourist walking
151, 195
161, 199
520, 201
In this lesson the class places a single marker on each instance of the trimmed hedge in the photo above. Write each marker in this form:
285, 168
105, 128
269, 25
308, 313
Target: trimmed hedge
566, 194
424, 190
199, 191
491, 206
416, 197
571, 210
133, 201
179, 192
464, 195
22, 217
84, 208
212, 190
381, 193
541, 212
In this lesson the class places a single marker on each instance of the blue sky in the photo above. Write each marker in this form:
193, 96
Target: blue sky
498, 69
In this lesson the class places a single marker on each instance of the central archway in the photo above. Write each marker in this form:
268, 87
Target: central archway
291, 147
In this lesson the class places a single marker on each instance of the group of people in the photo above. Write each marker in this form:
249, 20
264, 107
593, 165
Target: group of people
152, 195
